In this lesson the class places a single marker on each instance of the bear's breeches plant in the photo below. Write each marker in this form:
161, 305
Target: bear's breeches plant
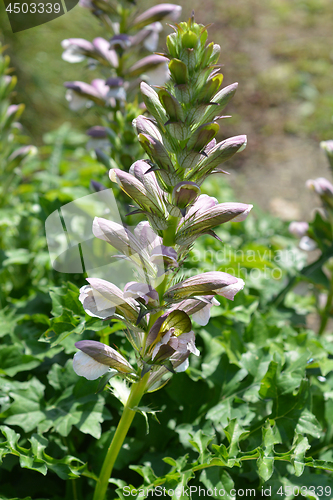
178, 135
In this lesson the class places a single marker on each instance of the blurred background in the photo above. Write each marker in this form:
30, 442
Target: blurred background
280, 52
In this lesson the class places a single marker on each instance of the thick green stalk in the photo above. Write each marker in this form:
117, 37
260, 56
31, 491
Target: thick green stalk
170, 233
134, 398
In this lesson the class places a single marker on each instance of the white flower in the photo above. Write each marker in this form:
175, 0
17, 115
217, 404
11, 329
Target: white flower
202, 316
151, 42
158, 76
95, 304
307, 244
75, 101
87, 367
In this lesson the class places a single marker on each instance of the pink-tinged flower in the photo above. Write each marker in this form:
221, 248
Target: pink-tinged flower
76, 49
155, 67
211, 283
144, 248
141, 291
298, 229
146, 125
217, 155
95, 304
12, 109
20, 154
171, 339
116, 235
95, 359
102, 299
147, 237
324, 189
104, 53
205, 214
157, 13
81, 94
143, 188
321, 186
162, 254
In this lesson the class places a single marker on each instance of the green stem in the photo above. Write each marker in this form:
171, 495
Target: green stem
170, 232
134, 398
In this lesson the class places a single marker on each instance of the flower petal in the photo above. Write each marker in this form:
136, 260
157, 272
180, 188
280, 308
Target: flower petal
87, 367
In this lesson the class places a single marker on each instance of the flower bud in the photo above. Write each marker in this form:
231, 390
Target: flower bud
202, 136
146, 125
209, 89
221, 99
201, 219
189, 40
172, 45
219, 154
171, 106
156, 151
184, 194
211, 283
178, 71
142, 188
153, 104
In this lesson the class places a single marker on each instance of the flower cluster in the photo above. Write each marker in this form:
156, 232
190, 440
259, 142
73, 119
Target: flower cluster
158, 306
129, 35
124, 60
